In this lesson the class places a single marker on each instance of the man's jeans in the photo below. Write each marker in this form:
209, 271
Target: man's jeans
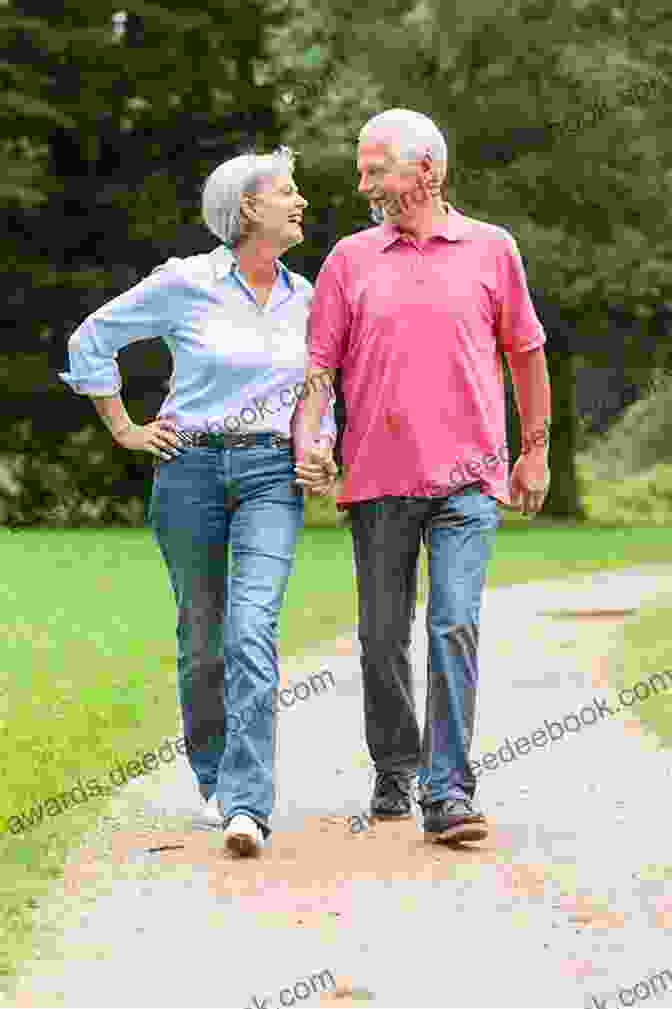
458, 532
227, 521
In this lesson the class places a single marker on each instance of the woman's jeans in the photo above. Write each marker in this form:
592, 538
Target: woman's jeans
458, 532
227, 521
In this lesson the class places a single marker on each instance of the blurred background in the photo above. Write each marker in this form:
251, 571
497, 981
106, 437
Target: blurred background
112, 118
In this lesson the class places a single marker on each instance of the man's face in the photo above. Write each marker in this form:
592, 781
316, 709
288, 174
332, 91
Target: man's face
394, 188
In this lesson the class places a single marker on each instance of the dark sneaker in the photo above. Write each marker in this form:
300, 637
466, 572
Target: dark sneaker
392, 795
453, 820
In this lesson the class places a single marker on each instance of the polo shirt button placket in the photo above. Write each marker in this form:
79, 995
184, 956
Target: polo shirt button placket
419, 279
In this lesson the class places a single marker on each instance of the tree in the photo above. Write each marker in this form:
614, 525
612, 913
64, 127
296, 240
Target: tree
128, 116
109, 123
549, 138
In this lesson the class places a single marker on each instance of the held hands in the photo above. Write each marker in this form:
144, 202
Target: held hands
158, 438
316, 470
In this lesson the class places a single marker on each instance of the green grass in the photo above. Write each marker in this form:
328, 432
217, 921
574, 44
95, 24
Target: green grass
538, 549
89, 661
646, 649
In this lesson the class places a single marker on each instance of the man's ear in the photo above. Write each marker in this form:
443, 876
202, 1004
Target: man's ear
427, 165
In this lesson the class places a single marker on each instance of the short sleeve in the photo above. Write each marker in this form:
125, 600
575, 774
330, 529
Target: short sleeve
330, 317
518, 326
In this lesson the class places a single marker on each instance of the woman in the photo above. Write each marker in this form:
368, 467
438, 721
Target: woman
225, 508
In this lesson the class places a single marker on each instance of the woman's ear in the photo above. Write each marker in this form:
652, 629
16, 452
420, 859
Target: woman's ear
247, 211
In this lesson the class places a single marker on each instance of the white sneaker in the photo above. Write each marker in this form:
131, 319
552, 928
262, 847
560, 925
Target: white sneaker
211, 814
244, 836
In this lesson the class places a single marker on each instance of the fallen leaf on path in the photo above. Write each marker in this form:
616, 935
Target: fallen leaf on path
588, 913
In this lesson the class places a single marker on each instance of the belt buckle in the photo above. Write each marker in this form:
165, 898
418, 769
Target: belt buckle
240, 441
187, 438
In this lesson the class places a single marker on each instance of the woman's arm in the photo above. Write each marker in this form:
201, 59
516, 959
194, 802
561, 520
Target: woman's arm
157, 437
112, 412
143, 312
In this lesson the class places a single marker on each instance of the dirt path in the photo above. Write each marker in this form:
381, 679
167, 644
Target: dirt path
567, 903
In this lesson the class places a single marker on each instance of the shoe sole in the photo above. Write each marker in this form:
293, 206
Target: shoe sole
206, 821
460, 832
242, 844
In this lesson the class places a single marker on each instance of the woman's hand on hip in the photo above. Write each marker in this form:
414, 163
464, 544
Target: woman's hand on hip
158, 438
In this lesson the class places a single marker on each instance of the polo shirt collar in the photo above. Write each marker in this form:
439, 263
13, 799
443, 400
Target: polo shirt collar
454, 227
223, 261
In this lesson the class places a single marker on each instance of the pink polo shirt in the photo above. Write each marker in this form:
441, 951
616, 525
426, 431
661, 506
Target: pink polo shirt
418, 334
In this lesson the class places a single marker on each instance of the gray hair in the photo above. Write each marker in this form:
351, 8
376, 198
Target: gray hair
241, 176
411, 134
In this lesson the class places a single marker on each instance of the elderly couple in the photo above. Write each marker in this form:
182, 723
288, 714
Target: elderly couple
415, 312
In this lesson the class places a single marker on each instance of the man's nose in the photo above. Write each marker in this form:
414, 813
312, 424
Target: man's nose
364, 185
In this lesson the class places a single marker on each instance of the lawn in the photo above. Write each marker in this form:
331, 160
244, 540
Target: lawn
646, 648
89, 672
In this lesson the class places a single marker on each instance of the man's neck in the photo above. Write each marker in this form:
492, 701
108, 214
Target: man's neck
423, 222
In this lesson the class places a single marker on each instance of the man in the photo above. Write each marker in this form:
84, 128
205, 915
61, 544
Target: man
416, 313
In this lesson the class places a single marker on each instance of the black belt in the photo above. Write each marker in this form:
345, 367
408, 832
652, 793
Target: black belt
225, 439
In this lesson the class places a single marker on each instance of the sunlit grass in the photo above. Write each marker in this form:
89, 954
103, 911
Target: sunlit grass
88, 622
646, 648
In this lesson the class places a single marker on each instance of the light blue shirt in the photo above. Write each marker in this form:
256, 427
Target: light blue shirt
237, 366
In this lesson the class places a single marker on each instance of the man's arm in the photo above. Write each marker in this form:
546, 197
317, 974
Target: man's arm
317, 394
530, 478
532, 389
315, 467
521, 337
328, 326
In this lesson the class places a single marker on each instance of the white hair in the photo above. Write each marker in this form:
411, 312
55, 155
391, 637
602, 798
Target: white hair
411, 134
241, 176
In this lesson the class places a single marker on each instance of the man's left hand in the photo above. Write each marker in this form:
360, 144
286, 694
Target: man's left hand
530, 481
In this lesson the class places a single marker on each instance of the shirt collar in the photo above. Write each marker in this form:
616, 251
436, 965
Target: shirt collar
454, 228
224, 261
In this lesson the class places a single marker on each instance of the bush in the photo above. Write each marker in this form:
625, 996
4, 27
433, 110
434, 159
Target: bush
82, 481
639, 499
640, 438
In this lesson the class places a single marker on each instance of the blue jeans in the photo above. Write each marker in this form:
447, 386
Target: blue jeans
227, 521
458, 532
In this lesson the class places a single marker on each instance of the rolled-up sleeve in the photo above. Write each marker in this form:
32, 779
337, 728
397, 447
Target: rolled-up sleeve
518, 326
143, 312
330, 316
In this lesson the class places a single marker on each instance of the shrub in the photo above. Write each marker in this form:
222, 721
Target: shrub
81, 481
640, 438
641, 498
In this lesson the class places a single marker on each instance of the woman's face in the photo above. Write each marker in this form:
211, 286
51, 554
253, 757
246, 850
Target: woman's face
278, 211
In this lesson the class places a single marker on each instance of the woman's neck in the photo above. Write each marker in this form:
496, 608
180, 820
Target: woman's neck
257, 262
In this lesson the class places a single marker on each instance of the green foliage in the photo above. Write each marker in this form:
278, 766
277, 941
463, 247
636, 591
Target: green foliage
588, 206
641, 438
105, 139
112, 137
640, 499
74, 483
